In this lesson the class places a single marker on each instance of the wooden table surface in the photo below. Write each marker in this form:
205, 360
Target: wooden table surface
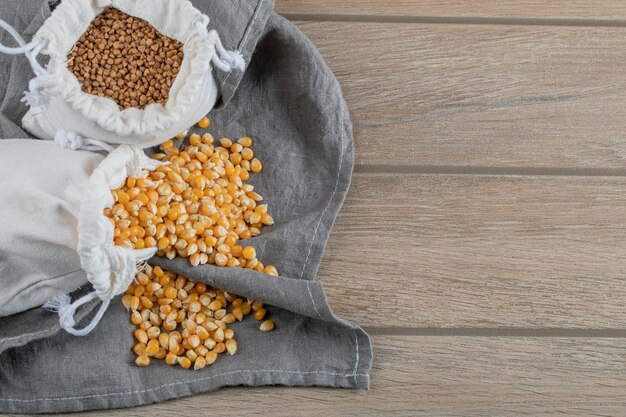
483, 242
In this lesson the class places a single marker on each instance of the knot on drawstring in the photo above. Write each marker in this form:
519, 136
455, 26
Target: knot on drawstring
72, 140
34, 97
68, 140
63, 306
222, 58
237, 60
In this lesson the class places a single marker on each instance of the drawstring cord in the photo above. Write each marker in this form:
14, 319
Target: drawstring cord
31, 50
72, 140
33, 96
63, 306
66, 309
222, 58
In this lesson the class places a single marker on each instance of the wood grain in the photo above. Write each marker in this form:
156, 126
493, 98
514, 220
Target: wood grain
479, 251
451, 376
473, 95
613, 9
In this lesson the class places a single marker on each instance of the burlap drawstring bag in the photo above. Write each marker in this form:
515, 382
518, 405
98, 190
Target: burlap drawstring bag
57, 101
291, 104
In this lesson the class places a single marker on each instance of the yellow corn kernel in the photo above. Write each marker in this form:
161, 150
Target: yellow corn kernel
141, 336
152, 348
192, 355
145, 302
153, 286
267, 326
153, 332
246, 141
270, 270
173, 345
130, 182
199, 363
255, 165
122, 197
164, 339
247, 154
163, 243
195, 139
229, 334
194, 340
184, 362
218, 335
249, 252
142, 361
139, 349
171, 359
136, 318
211, 357
260, 314
204, 123
215, 305
231, 346
126, 299
246, 308
221, 259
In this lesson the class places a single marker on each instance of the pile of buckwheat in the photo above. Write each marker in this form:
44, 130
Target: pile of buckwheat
126, 59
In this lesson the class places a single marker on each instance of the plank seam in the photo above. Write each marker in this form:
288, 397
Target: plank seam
489, 170
609, 333
455, 20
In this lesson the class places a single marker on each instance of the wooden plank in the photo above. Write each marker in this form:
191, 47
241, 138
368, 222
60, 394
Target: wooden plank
480, 251
475, 95
452, 376
613, 9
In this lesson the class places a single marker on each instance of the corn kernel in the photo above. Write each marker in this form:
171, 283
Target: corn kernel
204, 123
231, 346
142, 361
267, 326
249, 252
260, 314
184, 362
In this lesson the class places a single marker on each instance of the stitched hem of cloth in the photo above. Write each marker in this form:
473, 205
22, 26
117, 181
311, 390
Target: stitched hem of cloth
242, 48
249, 377
72, 17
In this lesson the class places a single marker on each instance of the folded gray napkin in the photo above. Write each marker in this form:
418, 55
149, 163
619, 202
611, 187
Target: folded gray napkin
291, 104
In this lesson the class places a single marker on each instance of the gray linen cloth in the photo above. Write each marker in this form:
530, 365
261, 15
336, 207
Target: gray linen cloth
291, 104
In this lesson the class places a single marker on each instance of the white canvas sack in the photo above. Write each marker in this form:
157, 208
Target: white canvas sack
54, 236
57, 102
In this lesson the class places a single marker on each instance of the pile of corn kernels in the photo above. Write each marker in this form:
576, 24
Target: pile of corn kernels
197, 206
184, 322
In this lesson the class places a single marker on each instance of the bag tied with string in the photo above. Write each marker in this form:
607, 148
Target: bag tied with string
57, 100
55, 237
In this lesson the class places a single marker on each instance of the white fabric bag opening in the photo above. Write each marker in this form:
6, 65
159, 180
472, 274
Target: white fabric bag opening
58, 102
55, 236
